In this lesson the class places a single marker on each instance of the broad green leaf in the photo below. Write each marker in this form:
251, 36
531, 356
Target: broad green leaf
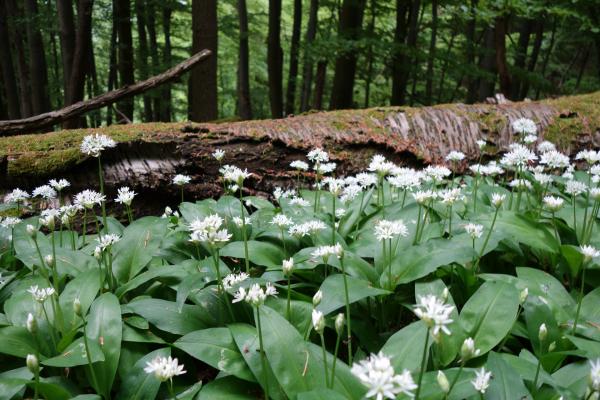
12, 381
191, 392
526, 365
489, 314
507, 384
16, 341
589, 305
260, 253
165, 315
215, 347
75, 354
525, 230
405, 347
333, 292
540, 283
227, 388
164, 271
139, 385
321, 394
575, 377
55, 388
85, 288
104, 327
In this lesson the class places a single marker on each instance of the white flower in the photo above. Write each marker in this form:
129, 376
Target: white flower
422, 197
288, 266
125, 196
437, 172
595, 194
256, 295
10, 222
546, 146
542, 332
208, 230
434, 313
450, 196
317, 297
481, 144
492, 169
60, 184
233, 174
552, 203
519, 156
590, 156
107, 241
595, 170
468, 350
575, 188
307, 228
555, 159
164, 368
318, 321
482, 380
474, 230
542, 178
378, 375
442, 380
325, 252
218, 154
32, 363
48, 217
385, 229
239, 222
595, 374
299, 201
325, 168
520, 184
88, 199
380, 165
524, 126
350, 192
44, 191
93, 145
365, 179
498, 199
299, 165
40, 294
335, 186
233, 279
279, 193
318, 155
455, 156
16, 196
181, 180
589, 252
529, 139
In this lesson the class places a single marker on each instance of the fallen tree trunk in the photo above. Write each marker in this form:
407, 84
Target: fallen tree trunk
41, 121
148, 155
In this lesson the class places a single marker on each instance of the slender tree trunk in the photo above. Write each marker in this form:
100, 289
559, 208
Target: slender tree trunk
320, 77
81, 57
453, 35
203, 100
155, 66
307, 67
244, 104
37, 60
14, 19
349, 30
487, 65
586, 57
521, 58
547, 54
165, 103
501, 26
66, 21
125, 53
55, 90
432, 50
142, 56
416, 59
112, 64
8, 72
275, 59
371, 37
93, 81
535, 53
290, 98
472, 80
399, 56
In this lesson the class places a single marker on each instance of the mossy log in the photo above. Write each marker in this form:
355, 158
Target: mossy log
148, 155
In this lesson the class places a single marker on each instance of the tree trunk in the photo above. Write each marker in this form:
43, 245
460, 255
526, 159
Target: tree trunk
584, 61
349, 31
8, 72
66, 21
320, 77
521, 58
81, 57
14, 19
112, 64
244, 104
548, 54
487, 65
290, 98
432, 48
370, 36
500, 29
447, 56
203, 101
472, 80
165, 103
142, 56
408, 58
308, 64
155, 66
37, 60
275, 59
122, 13
415, 60
93, 81
399, 57
535, 53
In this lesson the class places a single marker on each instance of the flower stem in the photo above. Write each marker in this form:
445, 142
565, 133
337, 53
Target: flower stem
487, 239
423, 364
335, 356
289, 295
347, 300
89, 358
263, 356
580, 300
324, 359
101, 176
462, 365
244, 235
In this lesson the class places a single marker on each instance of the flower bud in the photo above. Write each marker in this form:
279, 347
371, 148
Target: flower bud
31, 231
32, 363
288, 266
98, 253
340, 320
317, 298
32, 325
523, 295
77, 307
468, 351
318, 321
445, 294
49, 259
552, 347
443, 382
542, 332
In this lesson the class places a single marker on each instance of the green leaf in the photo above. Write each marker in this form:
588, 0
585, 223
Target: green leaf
522, 229
540, 283
166, 316
321, 394
215, 347
84, 287
333, 292
589, 305
75, 354
489, 314
421, 260
139, 385
227, 388
405, 347
507, 384
260, 253
55, 388
17, 341
11, 382
104, 327
139, 243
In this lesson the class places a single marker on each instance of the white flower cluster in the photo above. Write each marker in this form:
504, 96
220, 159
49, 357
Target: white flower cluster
207, 230
378, 375
46, 192
16, 196
381, 166
93, 145
125, 196
385, 230
181, 179
234, 175
107, 241
59, 184
88, 199
307, 228
482, 380
164, 368
435, 313
256, 295
474, 230
281, 221
233, 279
40, 294
524, 126
324, 252
299, 165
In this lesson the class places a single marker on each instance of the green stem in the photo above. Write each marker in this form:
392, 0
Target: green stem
84, 225
574, 216
52, 333
101, 176
324, 359
289, 298
579, 300
347, 300
537, 375
244, 235
416, 239
221, 288
333, 222
36, 395
555, 229
462, 365
335, 356
423, 364
263, 356
171, 391
487, 239
89, 358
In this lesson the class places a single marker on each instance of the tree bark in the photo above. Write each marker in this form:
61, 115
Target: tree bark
535, 53
42, 121
500, 29
66, 21
14, 19
154, 68
165, 103
432, 50
370, 61
487, 65
521, 58
472, 80
37, 60
290, 102
203, 101
320, 78
244, 104
275, 59
547, 54
408, 59
142, 56
349, 30
447, 57
399, 67
308, 64
122, 13
8, 72
112, 64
